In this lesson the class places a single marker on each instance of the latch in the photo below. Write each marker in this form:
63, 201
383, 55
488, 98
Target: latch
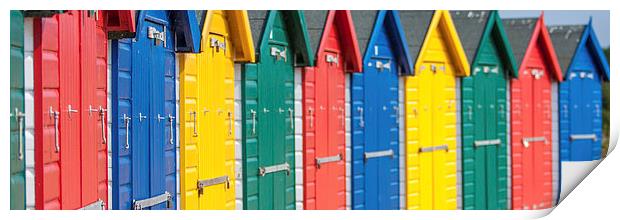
376, 154
487, 142
537, 73
158, 36
262, 171
71, 110
381, 66
331, 59
330, 159
150, 202
574, 137
278, 54
217, 44
361, 111
212, 182
19, 118
98, 205
433, 148
526, 141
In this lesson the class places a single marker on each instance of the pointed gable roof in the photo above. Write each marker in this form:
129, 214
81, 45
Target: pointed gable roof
475, 27
524, 33
418, 27
260, 20
568, 39
367, 23
185, 29
240, 32
319, 21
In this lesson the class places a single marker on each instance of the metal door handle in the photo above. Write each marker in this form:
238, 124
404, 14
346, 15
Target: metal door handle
19, 116
290, 117
574, 137
103, 127
140, 116
55, 115
311, 116
433, 148
126, 119
230, 123
361, 111
159, 118
70, 110
253, 113
195, 132
171, 120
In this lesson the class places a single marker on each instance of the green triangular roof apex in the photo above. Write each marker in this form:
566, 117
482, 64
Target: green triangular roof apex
296, 24
494, 28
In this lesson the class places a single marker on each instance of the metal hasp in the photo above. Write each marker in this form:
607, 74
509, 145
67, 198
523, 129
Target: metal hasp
147, 203
211, 182
98, 205
158, 36
262, 171
574, 137
330, 159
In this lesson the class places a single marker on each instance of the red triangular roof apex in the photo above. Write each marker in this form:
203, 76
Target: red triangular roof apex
348, 38
120, 20
541, 33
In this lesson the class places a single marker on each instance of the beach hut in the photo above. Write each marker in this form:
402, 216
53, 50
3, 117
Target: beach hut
375, 110
333, 39
281, 42
207, 112
532, 111
70, 107
484, 109
585, 68
431, 106
144, 109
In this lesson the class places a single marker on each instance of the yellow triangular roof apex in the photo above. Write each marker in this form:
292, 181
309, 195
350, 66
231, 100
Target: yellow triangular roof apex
239, 33
455, 48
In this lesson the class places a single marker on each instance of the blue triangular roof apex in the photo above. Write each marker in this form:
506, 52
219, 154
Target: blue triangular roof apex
590, 39
185, 27
390, 19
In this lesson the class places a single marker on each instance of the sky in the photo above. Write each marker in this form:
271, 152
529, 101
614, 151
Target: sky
600, 19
